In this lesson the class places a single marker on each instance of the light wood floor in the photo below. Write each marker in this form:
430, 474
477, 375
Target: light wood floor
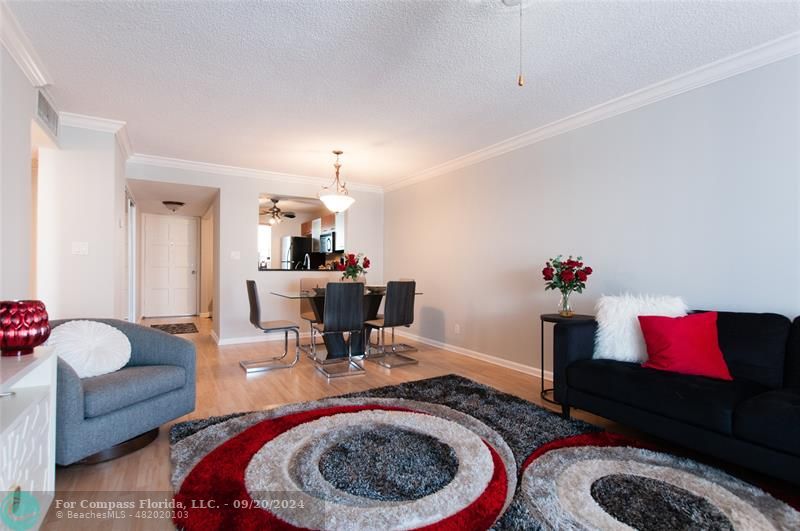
223, 387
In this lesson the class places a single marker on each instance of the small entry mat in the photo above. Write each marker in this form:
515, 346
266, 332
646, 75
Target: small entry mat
177, 328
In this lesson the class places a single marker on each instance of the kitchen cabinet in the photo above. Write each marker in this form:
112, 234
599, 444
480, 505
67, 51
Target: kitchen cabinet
340, 242
305, 229
329, 223
316, 230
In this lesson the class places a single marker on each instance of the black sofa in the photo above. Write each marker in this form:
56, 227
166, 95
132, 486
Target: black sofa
753, 421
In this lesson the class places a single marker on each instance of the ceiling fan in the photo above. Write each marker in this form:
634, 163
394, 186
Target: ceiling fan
274, 214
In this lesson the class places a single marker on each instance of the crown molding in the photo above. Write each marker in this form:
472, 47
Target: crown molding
21, 49
124, 142
82, 121
103, 125
236, 171
724, 68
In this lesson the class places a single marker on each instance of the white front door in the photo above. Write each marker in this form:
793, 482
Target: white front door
170, 268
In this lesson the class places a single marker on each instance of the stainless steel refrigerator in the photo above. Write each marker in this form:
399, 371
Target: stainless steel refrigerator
294, 250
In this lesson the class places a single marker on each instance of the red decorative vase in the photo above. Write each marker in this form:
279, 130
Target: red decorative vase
23, 326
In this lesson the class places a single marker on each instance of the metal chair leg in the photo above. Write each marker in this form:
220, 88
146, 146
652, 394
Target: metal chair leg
272, 363
393, 358
339, 368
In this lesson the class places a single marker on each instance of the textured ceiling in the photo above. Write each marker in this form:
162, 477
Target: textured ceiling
399, 86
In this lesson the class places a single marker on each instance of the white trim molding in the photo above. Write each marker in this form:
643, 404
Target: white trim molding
236, 171
724, 68
103, 125
21, 49
94, 123
494, 360
272, 336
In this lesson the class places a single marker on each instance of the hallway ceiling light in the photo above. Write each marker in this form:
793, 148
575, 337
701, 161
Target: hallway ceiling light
335, 195
173, 206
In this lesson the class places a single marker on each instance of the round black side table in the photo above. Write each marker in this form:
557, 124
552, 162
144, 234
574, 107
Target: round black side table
555, 319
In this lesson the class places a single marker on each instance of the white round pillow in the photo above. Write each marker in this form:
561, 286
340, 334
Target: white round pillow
91, 348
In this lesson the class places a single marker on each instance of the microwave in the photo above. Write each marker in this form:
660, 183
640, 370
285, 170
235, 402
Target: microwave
327, 242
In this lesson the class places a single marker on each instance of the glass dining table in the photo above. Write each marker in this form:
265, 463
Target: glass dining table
335, 345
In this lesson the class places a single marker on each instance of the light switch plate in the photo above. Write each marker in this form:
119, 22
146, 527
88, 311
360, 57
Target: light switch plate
236, 255
80, 248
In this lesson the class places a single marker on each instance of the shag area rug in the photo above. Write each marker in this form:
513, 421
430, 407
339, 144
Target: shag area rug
444, 453
176, 328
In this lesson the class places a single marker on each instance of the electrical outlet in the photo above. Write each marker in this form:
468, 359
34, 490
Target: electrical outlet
457, 328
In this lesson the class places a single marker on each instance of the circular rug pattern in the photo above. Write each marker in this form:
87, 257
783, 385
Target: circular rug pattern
624, 488
389, 464
350, 466
444, 454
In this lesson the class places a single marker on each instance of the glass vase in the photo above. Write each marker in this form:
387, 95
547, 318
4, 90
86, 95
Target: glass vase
564, 308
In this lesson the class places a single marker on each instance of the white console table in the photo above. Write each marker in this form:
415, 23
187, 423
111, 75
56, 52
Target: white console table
28, 427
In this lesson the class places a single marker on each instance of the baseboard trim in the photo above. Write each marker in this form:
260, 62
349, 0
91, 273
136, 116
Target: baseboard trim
214, 336
204, 315
272, 336
494, 360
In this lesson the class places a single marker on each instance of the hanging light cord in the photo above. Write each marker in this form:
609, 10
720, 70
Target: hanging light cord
520, 78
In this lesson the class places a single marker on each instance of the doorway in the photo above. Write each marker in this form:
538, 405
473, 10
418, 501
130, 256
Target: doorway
171, 280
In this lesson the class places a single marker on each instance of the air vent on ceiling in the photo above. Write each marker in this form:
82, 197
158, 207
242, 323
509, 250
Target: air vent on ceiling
47, 114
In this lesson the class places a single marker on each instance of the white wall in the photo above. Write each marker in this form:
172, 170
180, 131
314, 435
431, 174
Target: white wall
207, 262
17, 103
80, 200
237, 227
697, 195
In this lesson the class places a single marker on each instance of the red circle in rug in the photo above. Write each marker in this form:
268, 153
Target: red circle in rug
216, 496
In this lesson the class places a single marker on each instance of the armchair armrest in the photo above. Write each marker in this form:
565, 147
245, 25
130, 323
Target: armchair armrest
153, 347
69, 406
571, 342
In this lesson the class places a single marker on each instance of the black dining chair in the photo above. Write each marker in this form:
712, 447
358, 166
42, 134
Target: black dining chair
307, 311
267, 327
398, 311
344, 313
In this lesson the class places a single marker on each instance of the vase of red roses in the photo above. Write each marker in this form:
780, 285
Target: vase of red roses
353, 266
566, 276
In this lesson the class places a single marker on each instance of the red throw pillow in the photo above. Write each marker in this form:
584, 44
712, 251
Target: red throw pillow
687, 345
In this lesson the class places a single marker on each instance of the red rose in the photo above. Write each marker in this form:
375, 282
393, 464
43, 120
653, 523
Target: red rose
587, 270
567, 275
351, 260
547, 272
581, 275
366, 263
339, 266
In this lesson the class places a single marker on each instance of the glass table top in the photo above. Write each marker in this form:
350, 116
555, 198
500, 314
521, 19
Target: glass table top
311, 294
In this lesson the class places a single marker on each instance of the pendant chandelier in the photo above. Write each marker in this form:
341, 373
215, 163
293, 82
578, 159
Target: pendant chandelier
335, 195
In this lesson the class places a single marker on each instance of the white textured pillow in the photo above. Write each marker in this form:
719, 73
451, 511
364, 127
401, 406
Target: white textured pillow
619, 336
91, 348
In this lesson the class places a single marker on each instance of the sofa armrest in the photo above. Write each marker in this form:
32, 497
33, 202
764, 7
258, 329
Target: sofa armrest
69, 404
571, 342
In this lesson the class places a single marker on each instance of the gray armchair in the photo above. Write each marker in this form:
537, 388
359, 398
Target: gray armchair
97, 414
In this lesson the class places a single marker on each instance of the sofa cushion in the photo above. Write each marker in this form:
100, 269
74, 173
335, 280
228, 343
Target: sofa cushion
686, 345
754, 346
697, 400
130, 385
771, 419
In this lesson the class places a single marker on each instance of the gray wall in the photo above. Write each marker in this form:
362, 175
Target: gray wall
696, 195
17, 99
